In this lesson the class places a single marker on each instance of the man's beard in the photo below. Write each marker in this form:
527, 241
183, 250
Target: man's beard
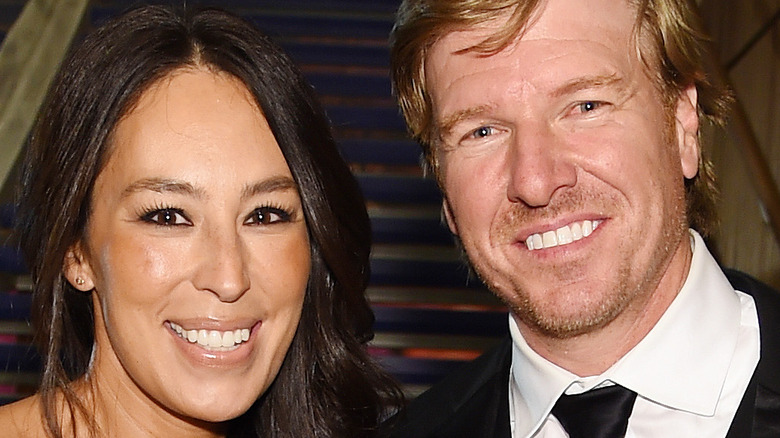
600, 300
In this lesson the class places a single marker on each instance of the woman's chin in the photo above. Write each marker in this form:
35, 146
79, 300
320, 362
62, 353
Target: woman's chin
214, 416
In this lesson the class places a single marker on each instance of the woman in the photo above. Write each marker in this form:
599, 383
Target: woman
198, 247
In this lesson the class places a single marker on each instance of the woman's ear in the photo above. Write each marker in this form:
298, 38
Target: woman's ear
77, 269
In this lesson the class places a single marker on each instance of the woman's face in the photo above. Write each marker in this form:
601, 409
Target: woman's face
197, 251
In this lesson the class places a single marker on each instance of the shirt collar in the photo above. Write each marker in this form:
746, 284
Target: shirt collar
701, 324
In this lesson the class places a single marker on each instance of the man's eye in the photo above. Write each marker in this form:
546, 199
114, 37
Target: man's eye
482, 132
588, 106
268, 216
166, 217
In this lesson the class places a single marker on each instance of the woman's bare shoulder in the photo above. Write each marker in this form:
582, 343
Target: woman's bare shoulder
22, 418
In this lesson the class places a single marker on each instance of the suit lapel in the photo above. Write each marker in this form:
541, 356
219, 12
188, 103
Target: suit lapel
767, 300
768, 305
485, 412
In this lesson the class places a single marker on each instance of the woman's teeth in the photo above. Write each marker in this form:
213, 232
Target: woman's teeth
562, 236
212, 339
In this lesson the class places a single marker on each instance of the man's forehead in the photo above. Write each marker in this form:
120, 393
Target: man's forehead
588, 27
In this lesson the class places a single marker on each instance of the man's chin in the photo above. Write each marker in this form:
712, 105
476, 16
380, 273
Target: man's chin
556, 321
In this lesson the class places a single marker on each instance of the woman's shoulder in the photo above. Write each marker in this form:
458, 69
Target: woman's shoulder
22, 418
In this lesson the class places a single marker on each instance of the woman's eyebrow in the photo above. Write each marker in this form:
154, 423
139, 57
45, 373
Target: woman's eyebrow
165, 185
162, 185
272, 184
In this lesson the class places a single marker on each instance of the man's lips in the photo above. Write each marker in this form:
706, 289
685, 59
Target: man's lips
562, 236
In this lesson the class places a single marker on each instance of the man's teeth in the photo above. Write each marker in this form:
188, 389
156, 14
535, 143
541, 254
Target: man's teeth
562, 236
212, 339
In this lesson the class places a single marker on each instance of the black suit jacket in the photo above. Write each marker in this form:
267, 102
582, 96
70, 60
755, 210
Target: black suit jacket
474, 402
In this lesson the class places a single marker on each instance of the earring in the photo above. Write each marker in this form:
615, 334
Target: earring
79, 281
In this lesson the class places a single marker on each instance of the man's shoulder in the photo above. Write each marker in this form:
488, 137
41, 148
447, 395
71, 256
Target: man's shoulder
473, 395
763, 293
767, 301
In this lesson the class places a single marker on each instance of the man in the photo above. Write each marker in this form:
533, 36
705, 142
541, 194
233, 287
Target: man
565, 137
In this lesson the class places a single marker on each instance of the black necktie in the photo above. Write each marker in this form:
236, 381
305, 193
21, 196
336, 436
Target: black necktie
598, 413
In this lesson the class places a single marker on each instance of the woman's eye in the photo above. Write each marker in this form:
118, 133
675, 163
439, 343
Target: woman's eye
167, 217
267, 216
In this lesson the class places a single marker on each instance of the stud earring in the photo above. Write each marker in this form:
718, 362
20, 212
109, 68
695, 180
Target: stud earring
79, 281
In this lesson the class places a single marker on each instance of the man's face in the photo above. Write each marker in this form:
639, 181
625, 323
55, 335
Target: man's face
562, 168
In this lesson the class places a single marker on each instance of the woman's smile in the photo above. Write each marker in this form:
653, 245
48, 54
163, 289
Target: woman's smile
215, 340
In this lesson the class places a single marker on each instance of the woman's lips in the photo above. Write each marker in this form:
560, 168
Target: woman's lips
214, 340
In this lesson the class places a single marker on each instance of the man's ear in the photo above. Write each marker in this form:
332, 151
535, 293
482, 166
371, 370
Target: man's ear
447, 212
77, 269
687, 131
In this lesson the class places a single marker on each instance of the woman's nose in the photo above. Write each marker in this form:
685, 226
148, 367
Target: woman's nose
223, 267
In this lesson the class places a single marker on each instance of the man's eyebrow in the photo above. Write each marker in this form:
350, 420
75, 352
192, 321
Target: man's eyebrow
162, 185
584, 83
449, 122
273, 184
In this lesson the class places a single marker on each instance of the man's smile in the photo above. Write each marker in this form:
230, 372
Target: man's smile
562, 236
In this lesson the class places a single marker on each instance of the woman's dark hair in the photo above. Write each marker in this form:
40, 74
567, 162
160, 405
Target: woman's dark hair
327, 385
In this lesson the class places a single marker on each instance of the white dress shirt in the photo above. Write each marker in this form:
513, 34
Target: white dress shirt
689, 372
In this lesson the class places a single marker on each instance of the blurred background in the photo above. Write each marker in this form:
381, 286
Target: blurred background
431, 314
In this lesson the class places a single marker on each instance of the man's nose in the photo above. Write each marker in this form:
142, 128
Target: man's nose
223, 267
538, 166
